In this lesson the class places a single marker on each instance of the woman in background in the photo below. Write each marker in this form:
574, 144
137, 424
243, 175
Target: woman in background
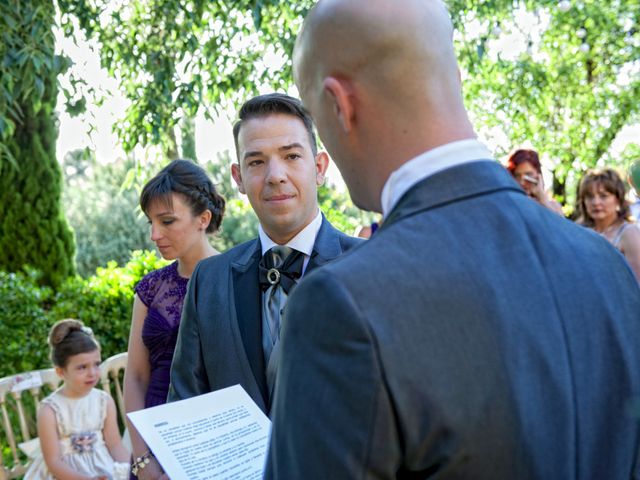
603, 207
524, 166
183, 207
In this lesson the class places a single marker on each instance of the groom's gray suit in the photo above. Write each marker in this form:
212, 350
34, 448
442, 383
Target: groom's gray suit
220, 337
477, 335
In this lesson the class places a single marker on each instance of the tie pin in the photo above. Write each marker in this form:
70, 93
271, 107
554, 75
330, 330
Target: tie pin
273, 276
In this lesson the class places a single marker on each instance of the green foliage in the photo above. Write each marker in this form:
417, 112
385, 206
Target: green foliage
28, 62
568, 90
173, 57
188, 129
33, 230
340, 211
571, 87
240, 222
220, 171
104, 214
102, 301
239, 225
629, 157
25, 322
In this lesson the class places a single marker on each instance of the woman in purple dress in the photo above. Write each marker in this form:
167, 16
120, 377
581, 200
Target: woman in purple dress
182, 206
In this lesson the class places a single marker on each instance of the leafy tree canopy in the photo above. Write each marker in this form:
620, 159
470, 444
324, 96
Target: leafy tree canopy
173, 57
568, 89
27, 62
563, 76
105, 216
567, 84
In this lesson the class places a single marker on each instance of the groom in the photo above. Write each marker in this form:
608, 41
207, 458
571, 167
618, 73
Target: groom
229, 332
477, 335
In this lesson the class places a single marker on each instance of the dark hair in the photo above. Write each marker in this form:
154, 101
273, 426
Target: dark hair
68, 338
520, 156
190, 180
612, 183
272, 103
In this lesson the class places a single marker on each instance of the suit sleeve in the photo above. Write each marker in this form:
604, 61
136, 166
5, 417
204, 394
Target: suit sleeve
332, 416
188, 372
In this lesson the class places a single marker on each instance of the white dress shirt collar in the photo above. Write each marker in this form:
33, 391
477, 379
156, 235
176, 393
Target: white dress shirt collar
303, 241
428, 163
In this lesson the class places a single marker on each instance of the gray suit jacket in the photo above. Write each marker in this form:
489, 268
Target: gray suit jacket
477, 335
220, 336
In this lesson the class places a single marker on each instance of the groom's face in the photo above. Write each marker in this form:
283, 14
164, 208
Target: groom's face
279, 173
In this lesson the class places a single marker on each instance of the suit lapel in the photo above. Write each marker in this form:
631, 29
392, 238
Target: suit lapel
246, 292
326, 247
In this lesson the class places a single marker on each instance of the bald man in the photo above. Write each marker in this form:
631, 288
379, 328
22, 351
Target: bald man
477, 334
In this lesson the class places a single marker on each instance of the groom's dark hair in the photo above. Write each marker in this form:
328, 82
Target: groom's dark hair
271, 103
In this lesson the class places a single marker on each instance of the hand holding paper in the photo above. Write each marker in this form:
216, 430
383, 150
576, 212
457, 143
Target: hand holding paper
219, 435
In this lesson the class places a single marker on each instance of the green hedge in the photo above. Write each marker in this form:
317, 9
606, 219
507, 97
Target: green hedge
24, 321
102, 301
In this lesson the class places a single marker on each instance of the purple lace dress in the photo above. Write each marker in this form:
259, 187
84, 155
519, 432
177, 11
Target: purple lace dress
163, 292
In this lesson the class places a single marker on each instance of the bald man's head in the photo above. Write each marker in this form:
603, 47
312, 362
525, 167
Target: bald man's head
364, 67
380, 42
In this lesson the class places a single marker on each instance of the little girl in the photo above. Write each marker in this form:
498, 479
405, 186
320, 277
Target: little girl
77, 425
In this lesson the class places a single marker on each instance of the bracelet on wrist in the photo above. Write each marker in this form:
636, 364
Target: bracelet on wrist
141, 462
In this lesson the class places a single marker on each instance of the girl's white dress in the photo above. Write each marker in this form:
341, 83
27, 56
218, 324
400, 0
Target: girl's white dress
80, 423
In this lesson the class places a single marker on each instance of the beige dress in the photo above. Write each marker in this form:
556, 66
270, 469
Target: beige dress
80, 423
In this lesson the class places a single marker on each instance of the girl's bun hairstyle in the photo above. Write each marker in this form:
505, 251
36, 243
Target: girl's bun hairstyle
70, 337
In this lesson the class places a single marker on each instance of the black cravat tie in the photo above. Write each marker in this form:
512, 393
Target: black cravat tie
281, 265
279, 269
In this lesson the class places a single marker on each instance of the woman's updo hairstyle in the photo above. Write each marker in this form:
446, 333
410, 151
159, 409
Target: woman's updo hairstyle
190, 180
68, 338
